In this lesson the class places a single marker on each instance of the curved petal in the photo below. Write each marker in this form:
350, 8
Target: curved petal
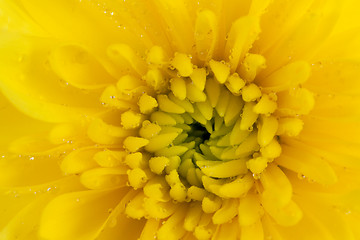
335, 77
33, 88
320, 222
84, 20
14, 124
78, 67
20, 207
301, 40
308, 164
78, 215
28, 170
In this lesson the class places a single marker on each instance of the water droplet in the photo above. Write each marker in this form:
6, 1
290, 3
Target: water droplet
301, 176
112, 222
256, 176
63, 83
52, 189
310, 180
347, 212
31, 158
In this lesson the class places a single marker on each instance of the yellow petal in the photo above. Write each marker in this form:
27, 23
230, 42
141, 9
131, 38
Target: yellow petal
159, 210
251, 66
267, 130
102, 178
289, 34
166, 105
220, 169
266, 105
308, 164
250, 210
25, 223
64, 216
205, 109
147, 104
178, 87
79, 160
171, 230
288, 215
290, 75
294, 102
19, 203
133, 144
15, 124
28, 170
150, 229
109, 158
240, 38
198, 77
251, 92
41, 109
158, 189
118, 225
232, 112
220, 70
104, 133
34, 145
194, 94
182, 63
193, 216
227, 231
277, 187
227, 211
176, 16
76, 66
86, 21
126, 53
252, 232
160, 141
206, 34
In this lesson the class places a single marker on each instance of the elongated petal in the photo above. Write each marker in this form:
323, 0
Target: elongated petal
63, 217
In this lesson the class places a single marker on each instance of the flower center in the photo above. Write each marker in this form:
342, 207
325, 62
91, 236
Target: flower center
203, 134
200, 132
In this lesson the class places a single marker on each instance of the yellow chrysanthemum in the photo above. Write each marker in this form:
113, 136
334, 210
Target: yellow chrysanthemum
179, 119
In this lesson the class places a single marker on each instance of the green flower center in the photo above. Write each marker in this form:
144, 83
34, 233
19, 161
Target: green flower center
202, 130
200, 134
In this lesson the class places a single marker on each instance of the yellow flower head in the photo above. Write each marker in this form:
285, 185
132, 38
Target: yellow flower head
179, 119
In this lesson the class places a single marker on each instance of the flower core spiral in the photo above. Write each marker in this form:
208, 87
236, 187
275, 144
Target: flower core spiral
200, 135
